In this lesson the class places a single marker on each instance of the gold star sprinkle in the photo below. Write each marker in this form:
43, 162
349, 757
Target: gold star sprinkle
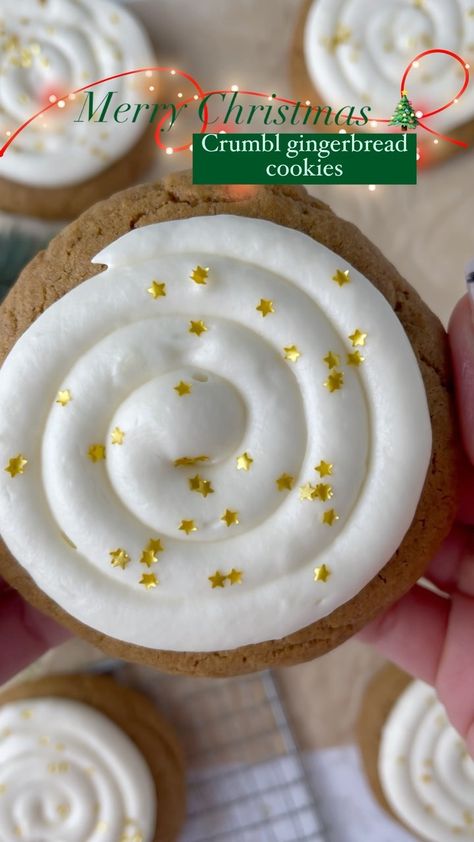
63, 397
332, 360
265, 307
291, 353
230, 518
426, 779
468, 818
148, 557
335, 381
307, 492
184, 461
342, 277
27, 713
235, 576
96, 452
16, 465
199, 274
358, 338
149, 580
324, 469
244, 461
117, 436
187, 526
217, 580
285, 482
329, 517
321, 574
323, 492
341, 36
157, 290
197, 327
119, 558
183, 388
155, 546
63, 810
355, 358
202, 486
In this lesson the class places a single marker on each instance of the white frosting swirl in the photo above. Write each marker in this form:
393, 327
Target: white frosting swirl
425, 770
69, 774
51, 48
122, 356
357, 50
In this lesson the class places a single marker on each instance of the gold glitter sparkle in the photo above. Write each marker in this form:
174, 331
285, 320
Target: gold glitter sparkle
342, 277
244, 461
197, 327
285, 482
355, 358
96, 452
292, 353
185, 461
148, 557
117, 436
187, 526
335, 381
157, 289
149, 581
321, 574
199, 274
183, 388
332, 360
230, 518
307, 492
119, 558
329, 517
16, 465
358, 338
324, 469
200, 485
265, 307
63, 397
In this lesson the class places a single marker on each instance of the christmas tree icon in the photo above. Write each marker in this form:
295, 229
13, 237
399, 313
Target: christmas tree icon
404, 115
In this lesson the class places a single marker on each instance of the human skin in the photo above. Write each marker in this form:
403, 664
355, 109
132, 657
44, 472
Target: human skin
431, 636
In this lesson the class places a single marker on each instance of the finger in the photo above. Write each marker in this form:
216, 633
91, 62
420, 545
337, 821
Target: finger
452, 568
455, 678
461, 337
25, 634
411, 633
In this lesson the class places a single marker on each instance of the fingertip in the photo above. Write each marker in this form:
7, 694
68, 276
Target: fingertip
461, 338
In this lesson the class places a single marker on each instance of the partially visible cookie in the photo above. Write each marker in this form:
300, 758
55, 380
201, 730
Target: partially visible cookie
83, 758
77, 151
338, 59
417, 765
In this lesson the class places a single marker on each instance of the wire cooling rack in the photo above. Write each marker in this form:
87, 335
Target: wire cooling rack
246, 779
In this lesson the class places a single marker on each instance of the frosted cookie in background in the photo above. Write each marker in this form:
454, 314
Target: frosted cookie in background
354, 52
417, 764
233, 442
57, 167
85, 759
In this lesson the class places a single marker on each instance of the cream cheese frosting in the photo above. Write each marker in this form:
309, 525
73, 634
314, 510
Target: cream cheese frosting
69, 774
217, 440
49, 49
425, 770
357, 50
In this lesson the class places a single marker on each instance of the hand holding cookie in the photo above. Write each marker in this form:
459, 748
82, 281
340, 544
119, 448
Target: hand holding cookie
429, 635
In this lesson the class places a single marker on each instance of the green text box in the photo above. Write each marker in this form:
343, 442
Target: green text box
280, 158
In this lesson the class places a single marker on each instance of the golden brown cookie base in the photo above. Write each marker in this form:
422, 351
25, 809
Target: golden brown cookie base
137, 716
66, 263
303, 89
69, 201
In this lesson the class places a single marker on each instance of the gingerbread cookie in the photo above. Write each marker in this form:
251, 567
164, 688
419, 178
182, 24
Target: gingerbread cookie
63, 162
354, 53
223, 456
83, 758
417, 764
